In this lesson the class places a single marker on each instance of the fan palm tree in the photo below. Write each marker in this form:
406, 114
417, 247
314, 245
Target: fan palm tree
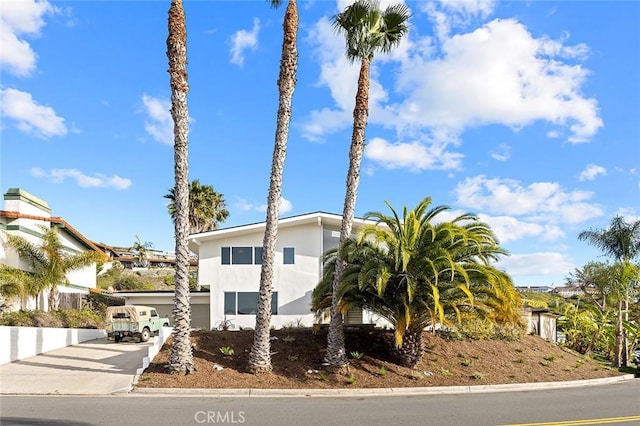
367, 30
50, 262
140, 249
414, 272
260, 355
181, 354
621, 241
207, 207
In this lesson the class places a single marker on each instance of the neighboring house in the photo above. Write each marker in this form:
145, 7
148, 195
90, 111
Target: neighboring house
569, 291
129, 259
541, 322
535, 289
24, 215
230, 263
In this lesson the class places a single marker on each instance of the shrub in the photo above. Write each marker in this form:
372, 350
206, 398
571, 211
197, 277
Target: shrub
357, 355
227, 351
65, 318
131, 282
17, 319
170, 281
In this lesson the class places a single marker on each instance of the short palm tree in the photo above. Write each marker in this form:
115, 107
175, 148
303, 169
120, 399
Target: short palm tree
49, 264
207, 208
260, 355
415, 272
621, 241
140, 249
367, 30
181, 354
15, 283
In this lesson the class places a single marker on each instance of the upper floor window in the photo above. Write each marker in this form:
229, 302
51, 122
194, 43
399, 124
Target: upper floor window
289, 254
251, 255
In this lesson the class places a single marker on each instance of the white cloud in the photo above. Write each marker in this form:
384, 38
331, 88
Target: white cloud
30, 117
448, 14
539, 201
248, 206
591, 172
243, 40
341, 78
415, 156
516, 80
285, 206
17, 20
159, 122
98, 180
536, 264
509, 229
501, 153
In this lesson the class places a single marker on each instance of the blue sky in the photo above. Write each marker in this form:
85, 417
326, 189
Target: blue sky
524, 113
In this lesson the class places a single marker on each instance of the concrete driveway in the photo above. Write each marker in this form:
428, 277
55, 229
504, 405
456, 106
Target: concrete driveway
96, 367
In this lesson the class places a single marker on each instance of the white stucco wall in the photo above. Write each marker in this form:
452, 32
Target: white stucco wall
293, 283
24, 342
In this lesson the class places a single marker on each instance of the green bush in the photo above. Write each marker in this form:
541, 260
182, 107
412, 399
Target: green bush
170, 281
17, 319
65, 318
131, 282
81, 319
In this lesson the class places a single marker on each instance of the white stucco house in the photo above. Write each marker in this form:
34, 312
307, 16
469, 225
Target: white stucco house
25, 214
229, 264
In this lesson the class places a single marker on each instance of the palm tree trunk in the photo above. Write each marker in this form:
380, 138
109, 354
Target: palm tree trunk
260, 355
618, 339
54, 298
409, 354
181, 354
336, 354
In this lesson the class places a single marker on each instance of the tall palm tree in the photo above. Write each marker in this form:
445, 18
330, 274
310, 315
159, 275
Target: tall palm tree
367, 30
207, 207
181, 354
621, 241
414, 272
260, 355
50, 262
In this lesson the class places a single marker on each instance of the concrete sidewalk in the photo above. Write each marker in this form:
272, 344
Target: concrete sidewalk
96, 367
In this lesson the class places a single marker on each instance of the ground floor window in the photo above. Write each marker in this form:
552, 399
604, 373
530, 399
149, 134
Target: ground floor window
246, 303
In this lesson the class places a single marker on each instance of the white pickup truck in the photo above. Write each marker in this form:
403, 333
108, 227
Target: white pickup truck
135, 321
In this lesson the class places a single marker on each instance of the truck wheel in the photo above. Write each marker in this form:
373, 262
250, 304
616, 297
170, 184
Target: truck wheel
165, 324
144, 336
117, 339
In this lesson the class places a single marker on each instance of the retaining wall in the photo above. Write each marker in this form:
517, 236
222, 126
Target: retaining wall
22, 342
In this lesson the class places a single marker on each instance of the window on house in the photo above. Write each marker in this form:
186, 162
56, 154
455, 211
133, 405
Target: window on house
241, 255
246, 303
289, 255
257, 255
226, 255
229, 303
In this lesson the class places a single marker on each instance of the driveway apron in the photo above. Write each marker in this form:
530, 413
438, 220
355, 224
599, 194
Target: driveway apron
96, 367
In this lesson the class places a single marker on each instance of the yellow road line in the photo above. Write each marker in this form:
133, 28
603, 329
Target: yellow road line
583, 422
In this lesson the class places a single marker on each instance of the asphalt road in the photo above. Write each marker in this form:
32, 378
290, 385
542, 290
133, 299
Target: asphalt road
614, 404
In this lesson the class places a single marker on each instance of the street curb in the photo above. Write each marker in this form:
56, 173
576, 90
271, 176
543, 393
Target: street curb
362, 392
